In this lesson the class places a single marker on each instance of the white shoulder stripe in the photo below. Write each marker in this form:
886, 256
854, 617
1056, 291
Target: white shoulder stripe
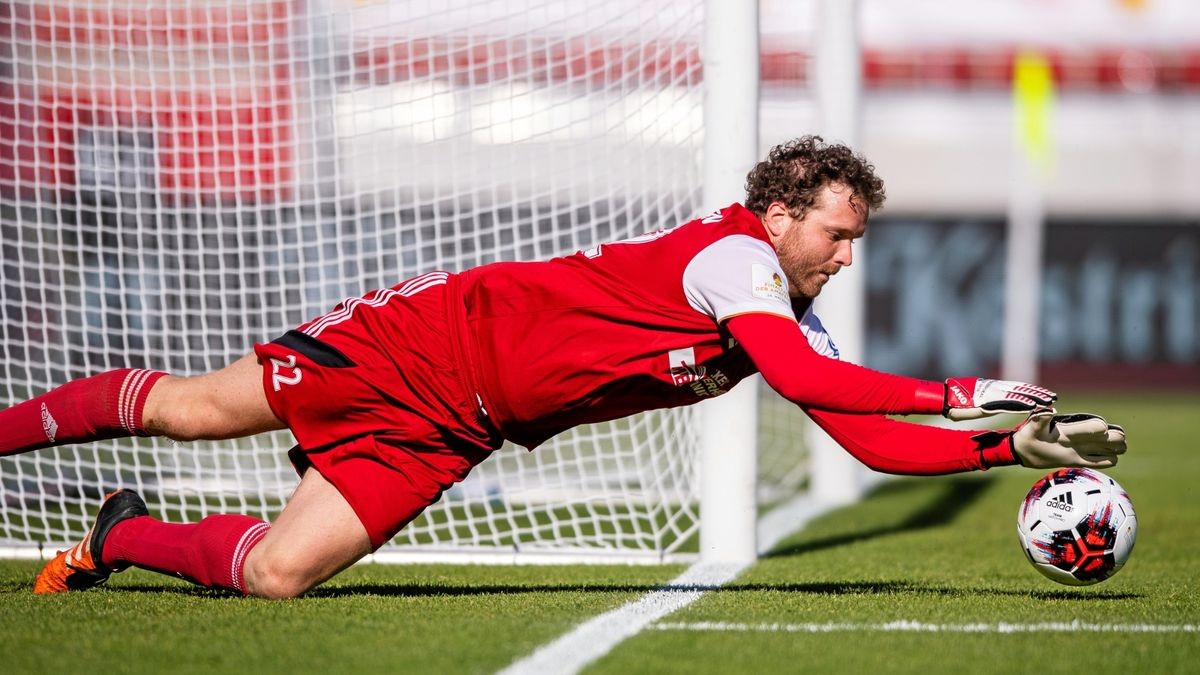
380, 298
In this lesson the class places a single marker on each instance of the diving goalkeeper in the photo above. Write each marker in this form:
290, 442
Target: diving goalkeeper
394, 397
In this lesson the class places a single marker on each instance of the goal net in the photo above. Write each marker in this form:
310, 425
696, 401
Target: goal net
181, 180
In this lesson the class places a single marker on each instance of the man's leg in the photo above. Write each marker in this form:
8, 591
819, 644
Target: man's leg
129, 402
227, 403
108, 405
316, 536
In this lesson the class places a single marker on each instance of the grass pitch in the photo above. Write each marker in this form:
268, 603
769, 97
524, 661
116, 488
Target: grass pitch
939, 552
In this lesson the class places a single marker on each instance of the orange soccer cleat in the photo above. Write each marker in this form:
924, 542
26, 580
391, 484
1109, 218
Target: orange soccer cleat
80, 567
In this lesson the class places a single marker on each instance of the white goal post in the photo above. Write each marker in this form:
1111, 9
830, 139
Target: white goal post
181, 180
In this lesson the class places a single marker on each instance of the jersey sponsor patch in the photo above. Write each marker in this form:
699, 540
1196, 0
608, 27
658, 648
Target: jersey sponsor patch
767, 283
705, 382
714, 383
683, 366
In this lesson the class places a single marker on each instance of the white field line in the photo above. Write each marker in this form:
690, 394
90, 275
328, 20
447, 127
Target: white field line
596, 637
921, 627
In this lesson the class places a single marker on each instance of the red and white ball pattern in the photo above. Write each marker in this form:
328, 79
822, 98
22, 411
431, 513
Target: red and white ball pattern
1077, 526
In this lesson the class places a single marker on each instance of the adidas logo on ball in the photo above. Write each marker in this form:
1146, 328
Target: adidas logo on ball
1062, 502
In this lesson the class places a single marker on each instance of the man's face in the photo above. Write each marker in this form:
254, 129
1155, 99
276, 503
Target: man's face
814, 249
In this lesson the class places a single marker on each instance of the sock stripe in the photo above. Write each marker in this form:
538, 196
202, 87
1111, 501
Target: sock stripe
121, 400
249, 538
131, 388
134, 396
130, 401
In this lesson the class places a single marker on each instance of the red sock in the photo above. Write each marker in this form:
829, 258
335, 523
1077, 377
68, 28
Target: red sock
108, 405
211, 552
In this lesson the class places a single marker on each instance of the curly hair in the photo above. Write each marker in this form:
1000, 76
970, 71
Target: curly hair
794, 173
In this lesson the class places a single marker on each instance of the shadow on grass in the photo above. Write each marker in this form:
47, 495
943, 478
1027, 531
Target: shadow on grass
902, 587
954, 496
865, 588
823, 588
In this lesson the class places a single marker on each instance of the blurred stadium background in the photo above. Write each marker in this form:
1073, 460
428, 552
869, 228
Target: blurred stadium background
178, 181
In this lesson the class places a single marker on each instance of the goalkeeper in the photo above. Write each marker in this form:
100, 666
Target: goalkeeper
395, 396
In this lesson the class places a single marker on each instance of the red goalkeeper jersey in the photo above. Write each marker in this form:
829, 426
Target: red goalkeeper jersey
618, 329
622, 327
642, 324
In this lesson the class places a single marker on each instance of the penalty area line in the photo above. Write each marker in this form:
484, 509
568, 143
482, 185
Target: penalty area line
922, 627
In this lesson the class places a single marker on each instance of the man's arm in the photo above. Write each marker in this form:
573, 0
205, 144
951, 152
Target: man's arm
791, 367
892, 446
1043, 441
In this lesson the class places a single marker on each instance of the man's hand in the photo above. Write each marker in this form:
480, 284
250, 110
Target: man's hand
971, 398
1047, 441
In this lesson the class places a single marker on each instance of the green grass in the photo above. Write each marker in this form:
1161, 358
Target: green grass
940, 550
371, 619
944, 551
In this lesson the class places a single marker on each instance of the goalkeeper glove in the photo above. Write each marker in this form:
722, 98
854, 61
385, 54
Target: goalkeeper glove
1047, 441
971, 398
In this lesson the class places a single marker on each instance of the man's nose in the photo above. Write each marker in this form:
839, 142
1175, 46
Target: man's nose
845, 254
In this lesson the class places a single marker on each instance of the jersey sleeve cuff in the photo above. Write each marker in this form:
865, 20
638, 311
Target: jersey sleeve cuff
929, 398
995, 449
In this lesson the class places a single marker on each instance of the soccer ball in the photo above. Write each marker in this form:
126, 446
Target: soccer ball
1077, 526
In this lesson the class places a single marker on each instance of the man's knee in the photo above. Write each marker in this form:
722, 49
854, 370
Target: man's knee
175, 410
317, 535
266, 576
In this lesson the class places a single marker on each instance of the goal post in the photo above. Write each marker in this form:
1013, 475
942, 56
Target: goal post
180, 181
728, 444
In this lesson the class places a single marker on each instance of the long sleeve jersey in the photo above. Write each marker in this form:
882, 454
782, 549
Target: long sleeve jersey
671, 318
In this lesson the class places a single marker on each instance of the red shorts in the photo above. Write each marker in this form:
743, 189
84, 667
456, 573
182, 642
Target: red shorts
379, 401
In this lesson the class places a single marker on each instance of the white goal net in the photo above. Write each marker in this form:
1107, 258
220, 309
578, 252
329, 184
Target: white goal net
180, 180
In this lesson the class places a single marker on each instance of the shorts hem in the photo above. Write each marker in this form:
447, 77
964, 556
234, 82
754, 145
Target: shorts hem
302, 463
266, 383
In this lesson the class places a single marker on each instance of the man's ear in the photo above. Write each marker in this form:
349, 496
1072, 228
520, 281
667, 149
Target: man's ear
777, 219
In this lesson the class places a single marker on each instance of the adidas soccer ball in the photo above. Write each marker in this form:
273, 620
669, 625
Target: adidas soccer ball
1077, 526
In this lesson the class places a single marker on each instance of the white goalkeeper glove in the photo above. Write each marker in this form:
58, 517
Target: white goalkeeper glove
970, 398
1047, 441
